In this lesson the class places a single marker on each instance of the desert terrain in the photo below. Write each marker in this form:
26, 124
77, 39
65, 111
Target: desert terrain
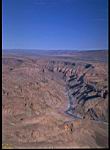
55, 99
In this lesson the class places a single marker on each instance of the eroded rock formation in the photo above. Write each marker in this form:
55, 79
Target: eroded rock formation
54, 103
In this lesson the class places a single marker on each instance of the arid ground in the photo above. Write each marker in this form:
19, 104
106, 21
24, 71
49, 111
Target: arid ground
55, 100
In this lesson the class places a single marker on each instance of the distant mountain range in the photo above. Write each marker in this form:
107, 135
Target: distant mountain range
52, 52
86, 55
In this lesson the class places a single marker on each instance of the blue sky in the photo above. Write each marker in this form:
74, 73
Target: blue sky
55, 24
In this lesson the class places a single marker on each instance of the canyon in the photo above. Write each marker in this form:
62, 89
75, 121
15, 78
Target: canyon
55, 101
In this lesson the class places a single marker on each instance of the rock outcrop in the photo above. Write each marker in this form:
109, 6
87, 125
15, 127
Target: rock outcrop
81, 91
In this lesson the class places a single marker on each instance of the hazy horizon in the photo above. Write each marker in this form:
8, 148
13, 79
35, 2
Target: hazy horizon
59, 49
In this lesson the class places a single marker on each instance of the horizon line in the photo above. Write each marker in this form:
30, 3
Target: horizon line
51, 49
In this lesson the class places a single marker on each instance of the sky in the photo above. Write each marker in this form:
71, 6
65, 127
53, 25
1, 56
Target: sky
55, 24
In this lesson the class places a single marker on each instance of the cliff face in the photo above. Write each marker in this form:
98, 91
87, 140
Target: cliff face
54, 103
87, 92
